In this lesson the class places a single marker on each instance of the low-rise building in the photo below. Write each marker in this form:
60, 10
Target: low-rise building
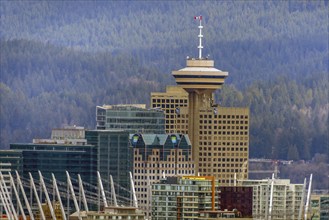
286, 198
184, 197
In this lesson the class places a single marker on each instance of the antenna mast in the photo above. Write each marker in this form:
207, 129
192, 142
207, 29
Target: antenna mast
200, 35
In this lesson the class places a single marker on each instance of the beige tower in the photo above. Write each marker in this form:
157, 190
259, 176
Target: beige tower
200, 79
219, 135
172, 100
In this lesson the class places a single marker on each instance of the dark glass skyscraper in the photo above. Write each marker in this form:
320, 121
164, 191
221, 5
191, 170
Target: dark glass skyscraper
114, 156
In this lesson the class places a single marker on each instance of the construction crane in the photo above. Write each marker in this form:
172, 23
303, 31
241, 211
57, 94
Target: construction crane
275, 163
244, 168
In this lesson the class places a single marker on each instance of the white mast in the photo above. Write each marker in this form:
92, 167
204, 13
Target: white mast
308, 197
83, 193
113, 192
24, 196
133, 190
200, 35
6, 201
58, 196
69, 183
100, 184
17, 196
47, 196
10, 202
37, 197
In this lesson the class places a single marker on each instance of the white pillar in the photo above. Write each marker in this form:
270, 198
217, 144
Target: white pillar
58, 197
37, 198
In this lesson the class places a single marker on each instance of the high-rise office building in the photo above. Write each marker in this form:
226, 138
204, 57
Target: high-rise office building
219, 135
131, 118
170, 102
114, 157
155, 156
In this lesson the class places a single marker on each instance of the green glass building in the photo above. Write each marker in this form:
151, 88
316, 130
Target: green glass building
114, 156
131, 118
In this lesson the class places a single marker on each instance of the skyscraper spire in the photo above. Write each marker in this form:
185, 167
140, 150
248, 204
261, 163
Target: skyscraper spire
200, 35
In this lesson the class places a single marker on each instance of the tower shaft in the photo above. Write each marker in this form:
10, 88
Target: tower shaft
199, 100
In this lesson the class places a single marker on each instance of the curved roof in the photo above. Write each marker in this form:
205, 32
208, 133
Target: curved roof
208, 69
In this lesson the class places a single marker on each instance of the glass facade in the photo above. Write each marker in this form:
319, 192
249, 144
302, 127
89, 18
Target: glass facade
56, 158
130, 118
114, 157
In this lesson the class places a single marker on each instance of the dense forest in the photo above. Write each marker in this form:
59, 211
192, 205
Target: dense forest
59, 59
250, 39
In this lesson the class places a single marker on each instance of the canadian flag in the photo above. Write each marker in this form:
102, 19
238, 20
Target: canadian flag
198, 17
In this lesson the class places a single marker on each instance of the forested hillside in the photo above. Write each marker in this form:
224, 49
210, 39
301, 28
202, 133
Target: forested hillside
250, 39
44, 87
289, 119
59, 59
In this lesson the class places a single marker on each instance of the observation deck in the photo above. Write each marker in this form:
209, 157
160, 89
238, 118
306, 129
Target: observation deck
199, 74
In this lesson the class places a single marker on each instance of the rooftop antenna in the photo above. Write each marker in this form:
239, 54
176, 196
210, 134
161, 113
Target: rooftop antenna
200, 35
